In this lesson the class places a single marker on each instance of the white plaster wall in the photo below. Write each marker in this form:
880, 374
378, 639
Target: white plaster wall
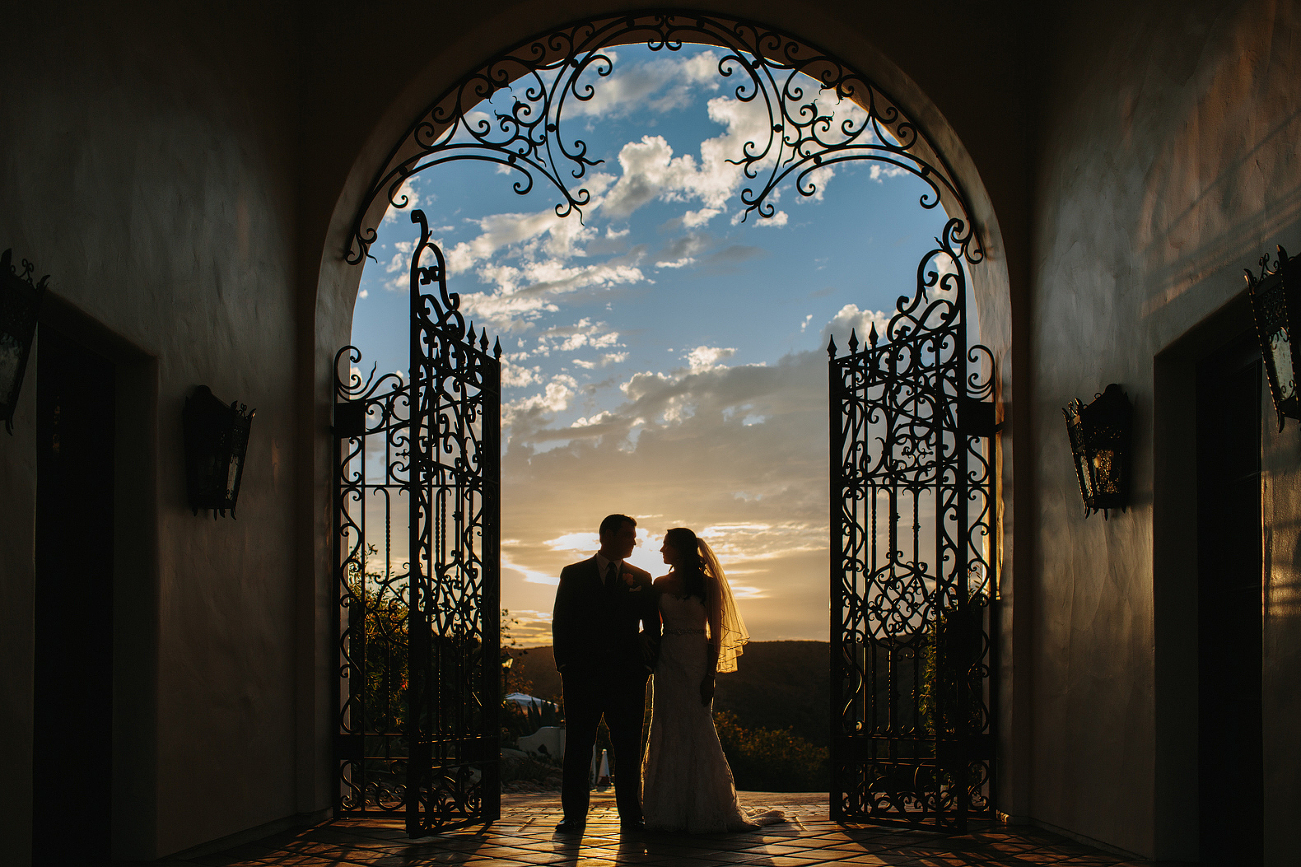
1167, 163
179, 170
146, 165
1281, 651
184, 173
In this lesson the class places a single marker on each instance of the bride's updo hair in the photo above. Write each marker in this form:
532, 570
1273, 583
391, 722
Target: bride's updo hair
690, 566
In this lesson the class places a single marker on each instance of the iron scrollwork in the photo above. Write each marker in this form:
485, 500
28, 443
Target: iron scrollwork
417, 541
565, 66
912, 527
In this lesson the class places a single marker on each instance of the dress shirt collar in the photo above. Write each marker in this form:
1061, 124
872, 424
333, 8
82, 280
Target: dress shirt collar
603, 566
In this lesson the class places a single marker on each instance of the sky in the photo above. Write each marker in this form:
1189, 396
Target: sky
661, 357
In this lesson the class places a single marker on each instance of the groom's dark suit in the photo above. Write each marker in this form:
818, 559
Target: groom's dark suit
604, 660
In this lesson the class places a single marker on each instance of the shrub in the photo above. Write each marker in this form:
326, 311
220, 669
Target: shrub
772, 760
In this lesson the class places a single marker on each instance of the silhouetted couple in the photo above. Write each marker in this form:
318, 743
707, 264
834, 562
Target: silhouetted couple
611, 628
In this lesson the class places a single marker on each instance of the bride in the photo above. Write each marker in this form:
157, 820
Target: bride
686, 782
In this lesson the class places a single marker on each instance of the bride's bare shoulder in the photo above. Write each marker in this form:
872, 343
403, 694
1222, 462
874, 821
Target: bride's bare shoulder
666, 583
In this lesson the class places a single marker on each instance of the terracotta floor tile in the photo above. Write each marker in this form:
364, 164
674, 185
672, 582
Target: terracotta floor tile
525, 837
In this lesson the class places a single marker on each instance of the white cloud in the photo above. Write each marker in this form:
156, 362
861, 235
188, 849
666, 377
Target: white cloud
650, 170
578, 543
401, 260
517, 376
559, 391
573, 342
692, 219
704, 358
523, 293
599, 418
860, 322
532, 576
562, 235
880, 171
662, 85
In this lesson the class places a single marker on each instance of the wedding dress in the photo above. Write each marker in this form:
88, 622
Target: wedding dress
687, 784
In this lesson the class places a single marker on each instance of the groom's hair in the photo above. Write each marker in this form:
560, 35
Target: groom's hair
614, 523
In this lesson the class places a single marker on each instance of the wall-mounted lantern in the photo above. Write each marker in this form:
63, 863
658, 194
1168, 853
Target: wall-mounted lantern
216, 439
1276, 307
1100, 438
20, 304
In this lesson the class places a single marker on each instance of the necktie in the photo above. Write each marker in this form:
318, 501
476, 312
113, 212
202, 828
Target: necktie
610, 575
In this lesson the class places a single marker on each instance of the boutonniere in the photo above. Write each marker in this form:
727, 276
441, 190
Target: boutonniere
631, 581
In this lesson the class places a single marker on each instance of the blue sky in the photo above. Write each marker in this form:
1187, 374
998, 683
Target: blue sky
662, 359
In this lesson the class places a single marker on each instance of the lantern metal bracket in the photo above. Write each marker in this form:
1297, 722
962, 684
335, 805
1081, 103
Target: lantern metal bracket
216, 442
1100, 434
1276, 309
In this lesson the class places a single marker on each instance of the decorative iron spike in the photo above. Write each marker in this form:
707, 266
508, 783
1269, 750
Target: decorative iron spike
831, 348
483, 339
496, 349
853, 341
872, 335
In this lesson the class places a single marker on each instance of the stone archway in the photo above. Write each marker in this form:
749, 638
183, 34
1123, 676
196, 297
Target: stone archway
533, 147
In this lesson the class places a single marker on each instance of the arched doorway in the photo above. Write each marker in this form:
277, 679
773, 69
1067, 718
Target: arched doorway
907, 764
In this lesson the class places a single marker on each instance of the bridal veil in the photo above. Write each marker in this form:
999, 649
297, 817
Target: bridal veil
731, 643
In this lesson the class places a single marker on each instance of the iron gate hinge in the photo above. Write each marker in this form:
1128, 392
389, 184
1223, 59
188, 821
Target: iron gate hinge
976, 417
350, 418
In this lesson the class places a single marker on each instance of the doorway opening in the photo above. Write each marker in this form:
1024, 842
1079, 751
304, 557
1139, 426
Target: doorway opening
72, 775
1229, 606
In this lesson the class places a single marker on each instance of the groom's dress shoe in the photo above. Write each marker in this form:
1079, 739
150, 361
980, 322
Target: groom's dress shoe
570, 826
632, 825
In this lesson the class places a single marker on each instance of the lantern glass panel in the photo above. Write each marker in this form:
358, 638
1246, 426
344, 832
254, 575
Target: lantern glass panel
1104, 472
1280, 349
232, 477
1085, 472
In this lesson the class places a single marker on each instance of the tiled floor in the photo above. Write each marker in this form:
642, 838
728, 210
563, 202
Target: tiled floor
525, 835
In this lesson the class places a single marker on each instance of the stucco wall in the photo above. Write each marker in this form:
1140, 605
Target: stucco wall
185, 173
146, 165
1167, 164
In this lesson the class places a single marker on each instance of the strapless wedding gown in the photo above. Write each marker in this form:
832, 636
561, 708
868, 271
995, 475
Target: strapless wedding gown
686, 782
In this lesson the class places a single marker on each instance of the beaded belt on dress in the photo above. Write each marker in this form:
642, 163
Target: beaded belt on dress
684, 632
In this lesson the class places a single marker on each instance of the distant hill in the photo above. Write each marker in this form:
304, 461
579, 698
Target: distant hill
779, 685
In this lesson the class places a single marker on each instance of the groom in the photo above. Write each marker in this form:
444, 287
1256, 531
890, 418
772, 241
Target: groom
604, 659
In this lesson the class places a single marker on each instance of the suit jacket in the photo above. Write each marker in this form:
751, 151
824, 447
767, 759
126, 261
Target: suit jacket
605, 632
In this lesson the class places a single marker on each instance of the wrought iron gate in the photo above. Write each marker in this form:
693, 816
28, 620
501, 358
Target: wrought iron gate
912, 532
417, 545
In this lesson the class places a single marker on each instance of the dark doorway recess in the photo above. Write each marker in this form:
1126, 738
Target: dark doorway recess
73, 691
1230, 746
